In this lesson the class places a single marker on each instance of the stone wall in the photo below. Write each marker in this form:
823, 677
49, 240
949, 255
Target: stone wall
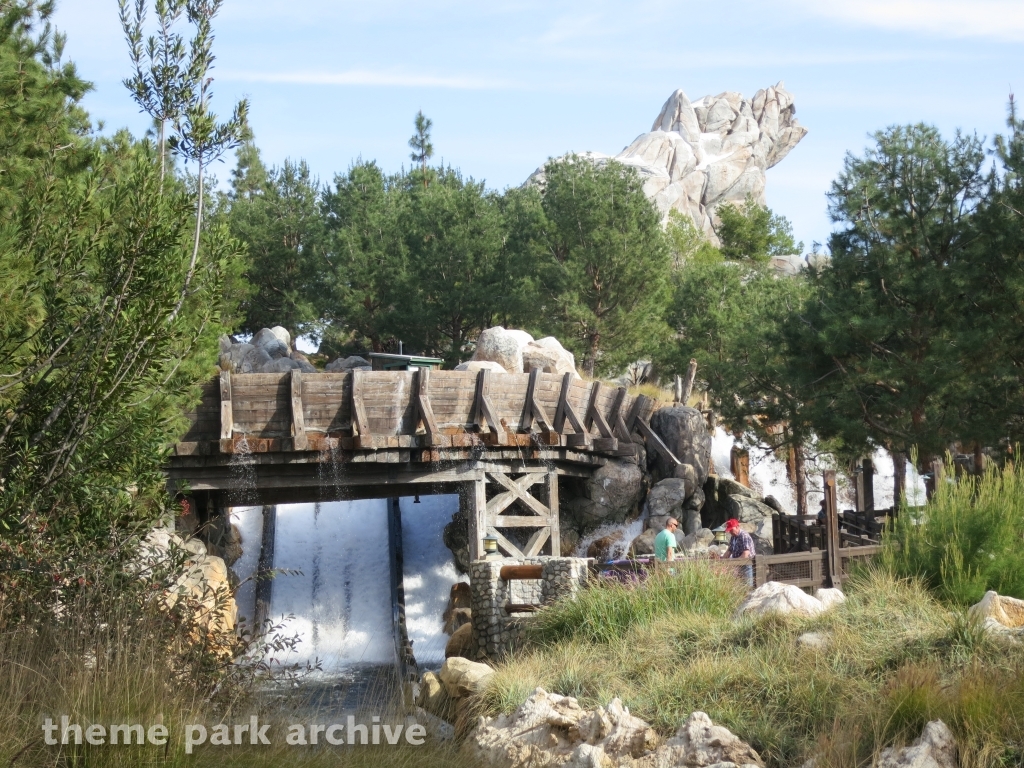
494, 631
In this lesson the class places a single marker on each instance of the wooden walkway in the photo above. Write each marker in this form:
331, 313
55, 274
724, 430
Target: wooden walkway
499, 440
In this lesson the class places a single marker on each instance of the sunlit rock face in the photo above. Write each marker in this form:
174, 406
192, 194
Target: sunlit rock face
701, 154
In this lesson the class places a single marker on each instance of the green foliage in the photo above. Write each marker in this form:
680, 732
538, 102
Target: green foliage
605, 612
967, 539
605, 280
883, 339
277, 214
754, 233
688, 243
422, 148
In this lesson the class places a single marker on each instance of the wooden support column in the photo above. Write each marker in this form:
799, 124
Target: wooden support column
832, 528
556, 533
653, 439
299, 440
264, 582
476, 512
425, 413
607, 441
484, 411
534, 411
581, 438
227, 419
865, 487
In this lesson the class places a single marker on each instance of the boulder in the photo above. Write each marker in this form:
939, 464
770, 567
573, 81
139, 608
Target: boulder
480, 365
253, 360
748, 510
643, 545
459, 598
347, 364
304, 365
548, 356
602, 549
691, 522
771, 501
699, 742
727, 487
456, 538
813, 641
461, 643
437, 728
775, 597
281, 365
685, 432
697, 543
504, 347
270, 338
999, 615
462, 677
610, 495
434, 697
934, 748
231, 358
552, 730
666, 499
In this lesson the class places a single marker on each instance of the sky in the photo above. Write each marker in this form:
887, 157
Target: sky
510, 83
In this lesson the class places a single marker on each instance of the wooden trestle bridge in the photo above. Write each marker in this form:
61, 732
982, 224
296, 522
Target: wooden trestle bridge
500, 441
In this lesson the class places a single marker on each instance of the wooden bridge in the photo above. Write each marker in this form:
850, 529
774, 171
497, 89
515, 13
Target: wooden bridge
500, 441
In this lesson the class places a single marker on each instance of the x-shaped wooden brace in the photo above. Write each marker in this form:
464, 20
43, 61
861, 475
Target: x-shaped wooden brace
518, 490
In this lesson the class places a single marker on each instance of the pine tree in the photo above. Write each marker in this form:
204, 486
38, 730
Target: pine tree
423, 150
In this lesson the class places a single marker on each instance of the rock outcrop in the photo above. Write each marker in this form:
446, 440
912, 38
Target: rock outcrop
999, 615
775, 597
934, 748
685, 432
610, 495
269, 351
353, 362
553, 730
699, 155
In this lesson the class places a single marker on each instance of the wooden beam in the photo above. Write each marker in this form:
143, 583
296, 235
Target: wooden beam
516, 521
476, 511
537, 542
520, 489
615, 416
566, 411
360, 422
299, 441
634, 413
832, 528
227, 419
424, 411
654, 440
556, 532
533, 410
510, 549
515, 572
483, 410
594, 415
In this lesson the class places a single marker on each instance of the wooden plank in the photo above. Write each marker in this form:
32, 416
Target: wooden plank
425, 412
227, 421
483, 410
634, 414
299, 441
360, 422
618, 424
476, 501
533, 410
659, 445
517, 521
594, 416
556, 534
606, 444
537, 542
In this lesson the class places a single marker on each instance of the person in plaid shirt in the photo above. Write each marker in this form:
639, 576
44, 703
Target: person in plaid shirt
740, 547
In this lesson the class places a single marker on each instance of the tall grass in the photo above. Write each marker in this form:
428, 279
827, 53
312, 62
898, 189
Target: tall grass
894, 658
968, 539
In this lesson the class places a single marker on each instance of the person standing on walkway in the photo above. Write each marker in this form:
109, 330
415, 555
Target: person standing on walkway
741, 547
665, 542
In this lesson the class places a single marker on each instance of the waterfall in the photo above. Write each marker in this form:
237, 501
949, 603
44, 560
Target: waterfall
340, 603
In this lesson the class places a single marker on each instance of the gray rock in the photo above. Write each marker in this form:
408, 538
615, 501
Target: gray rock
233, 358
267, 336
347, 364
304, 365
748, 510
685, 433
771, 501
253, 360
666, 499
275, 348
643, 544
610, 495
934, 748
280, 365
548, 357
729, 487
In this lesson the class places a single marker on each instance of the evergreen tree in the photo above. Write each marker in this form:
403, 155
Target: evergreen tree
422, 148
753, 232
606, 272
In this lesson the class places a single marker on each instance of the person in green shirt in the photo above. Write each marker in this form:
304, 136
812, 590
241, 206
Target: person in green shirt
665, 541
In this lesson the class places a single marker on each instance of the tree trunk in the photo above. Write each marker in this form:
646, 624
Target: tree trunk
801, 480
899, 479
195, 248
588, 366
979, 460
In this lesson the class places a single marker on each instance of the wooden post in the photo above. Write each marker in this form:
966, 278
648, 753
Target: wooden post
832, 528
866, 487
691, 374
227, 421
264, 583
979, 460
299, 441
740, 460
899, 480
677, 388
476, 511
937, 471
556, 534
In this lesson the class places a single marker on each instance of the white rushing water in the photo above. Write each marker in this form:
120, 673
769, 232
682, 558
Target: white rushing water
339, 604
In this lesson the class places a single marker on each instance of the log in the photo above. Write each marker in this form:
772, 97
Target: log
691, 374
514, 572
299, 441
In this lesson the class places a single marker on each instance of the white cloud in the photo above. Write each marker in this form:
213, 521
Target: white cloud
368, 77
993, 19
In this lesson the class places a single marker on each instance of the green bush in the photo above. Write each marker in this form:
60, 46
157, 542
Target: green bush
968, 539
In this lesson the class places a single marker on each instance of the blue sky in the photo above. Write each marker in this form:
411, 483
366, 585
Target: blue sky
510, 83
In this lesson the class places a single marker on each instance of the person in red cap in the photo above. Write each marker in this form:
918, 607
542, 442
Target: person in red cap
740, 547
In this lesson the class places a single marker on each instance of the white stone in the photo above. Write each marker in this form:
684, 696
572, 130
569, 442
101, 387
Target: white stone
999, 615
462, 677
266, 336
699, 742
775, 597
503, 347
934, 748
